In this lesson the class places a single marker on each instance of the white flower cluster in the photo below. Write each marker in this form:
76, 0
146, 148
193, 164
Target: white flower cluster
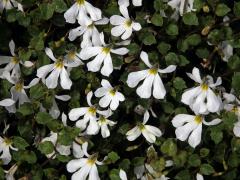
93, 118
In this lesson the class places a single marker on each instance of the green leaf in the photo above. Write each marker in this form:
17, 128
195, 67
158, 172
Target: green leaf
236, 8
149, 39
234, 62
26, 109
26, 156
236, 82
206, 169
47, 10
37, 91
171, 58
194, 160
163, 47
194, 39
169, 147
46, 147
138, 161
60, 6
222, 9
216, 135
204, 152
113, 157
172, 29
190, 19
157, 20
37, 42
179, 83
43, 118
20, 143
24, 54
183, 175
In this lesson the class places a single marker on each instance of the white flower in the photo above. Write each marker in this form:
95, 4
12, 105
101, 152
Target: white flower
182, 6
232, 104
84, 167
57, 69
151, 78
90, 116
71, 59
126, 3
149, 132
89, 33
5, 146
104, 122
18, 93
124, 26
7, 102
109, 95
82, 11
9, 4
227, 50
54, 110
103, 56
202, 99
122, 174
190, 127
13, 63
10, 173
199, 177
63, 150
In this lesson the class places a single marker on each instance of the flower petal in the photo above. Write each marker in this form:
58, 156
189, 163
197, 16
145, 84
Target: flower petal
159, 90
75, 113
135, 77
195, 137
145, 90
65, 81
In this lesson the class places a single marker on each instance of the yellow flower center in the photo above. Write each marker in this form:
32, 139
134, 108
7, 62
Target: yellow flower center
80, 2
128, 23
92, 110
141, 127
235, 109
59, 64
102, 120
15, 60
106, 50
19, 86
7, 141
198, 119
204, 87
112, 92
92, 159
153, 71
91, 26
72, 55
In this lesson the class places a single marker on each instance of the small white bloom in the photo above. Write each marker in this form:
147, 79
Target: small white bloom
124, 26
126, 3
54, 110
84, 167
7, 102
122, 174
61, 149
18, 93
10, 173
199, 177
149, 132
9, 4
83, 12
232, 104
72, 59
227, 50
57, 69
104, 122
102, 56
190, 127
5, 146
13, 63
182, 6
89, 33
202, 99
90, 116
109, 95
151, 78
